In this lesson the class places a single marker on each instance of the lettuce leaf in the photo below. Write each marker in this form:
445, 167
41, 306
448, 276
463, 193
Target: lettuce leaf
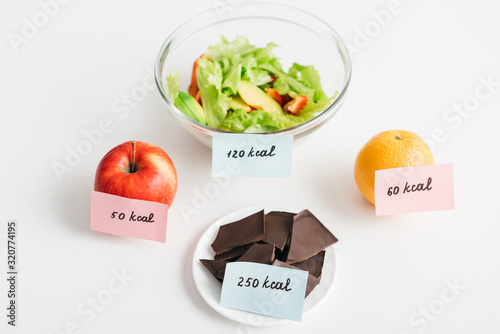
286, 84
232, 79
257, 76
239, 120
310, 77
265, 55
251, 64
215, 102
292, 84
173, 84
226, 49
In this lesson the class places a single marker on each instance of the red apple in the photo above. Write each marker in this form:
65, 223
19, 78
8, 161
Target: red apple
137, 170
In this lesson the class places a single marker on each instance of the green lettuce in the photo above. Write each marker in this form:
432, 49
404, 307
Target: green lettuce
226, 49
215, 102
257, 76
310, 77
231, 81
292, 83
227, 63
259, 121
173, 84
286, 84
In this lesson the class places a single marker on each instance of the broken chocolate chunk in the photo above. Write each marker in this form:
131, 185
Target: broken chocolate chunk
314, 264
309, 237
278, 226
214, 266
312, 281
233, 254
258, 253
242, 232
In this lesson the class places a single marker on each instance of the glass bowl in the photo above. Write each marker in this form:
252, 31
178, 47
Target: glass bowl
301, 38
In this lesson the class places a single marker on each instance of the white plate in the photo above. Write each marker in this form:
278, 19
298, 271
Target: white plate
210, 288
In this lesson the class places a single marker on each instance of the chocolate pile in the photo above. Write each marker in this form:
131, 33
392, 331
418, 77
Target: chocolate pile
283, 239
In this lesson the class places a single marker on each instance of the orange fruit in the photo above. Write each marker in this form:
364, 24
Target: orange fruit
389, 149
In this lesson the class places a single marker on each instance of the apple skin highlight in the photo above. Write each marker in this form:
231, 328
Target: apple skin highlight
137, 170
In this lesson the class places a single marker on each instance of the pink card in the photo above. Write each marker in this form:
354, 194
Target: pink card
128, 217
414, 189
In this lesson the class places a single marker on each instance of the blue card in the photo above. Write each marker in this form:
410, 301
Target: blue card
252, 155
264, 289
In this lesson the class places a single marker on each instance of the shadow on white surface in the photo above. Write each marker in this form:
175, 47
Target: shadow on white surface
74, 204
342, 195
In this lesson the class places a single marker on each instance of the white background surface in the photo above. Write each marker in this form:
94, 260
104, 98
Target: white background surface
429, 57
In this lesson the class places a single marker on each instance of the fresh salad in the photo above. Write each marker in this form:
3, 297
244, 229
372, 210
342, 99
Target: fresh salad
238, 87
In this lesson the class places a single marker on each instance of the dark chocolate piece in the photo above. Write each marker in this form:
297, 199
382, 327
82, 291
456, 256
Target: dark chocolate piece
311, 280
313, 265
309, 237
233, 254
214, 266
278, 226
244, 231
258, 253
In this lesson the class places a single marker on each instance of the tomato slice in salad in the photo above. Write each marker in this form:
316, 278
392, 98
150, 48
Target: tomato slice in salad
275, 95
296, 105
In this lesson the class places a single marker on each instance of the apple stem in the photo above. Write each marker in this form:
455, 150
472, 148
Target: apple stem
132, 166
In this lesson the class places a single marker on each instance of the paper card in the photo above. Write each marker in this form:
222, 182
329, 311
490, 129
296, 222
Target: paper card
264, 289
252, 155
414, 189
128, 217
